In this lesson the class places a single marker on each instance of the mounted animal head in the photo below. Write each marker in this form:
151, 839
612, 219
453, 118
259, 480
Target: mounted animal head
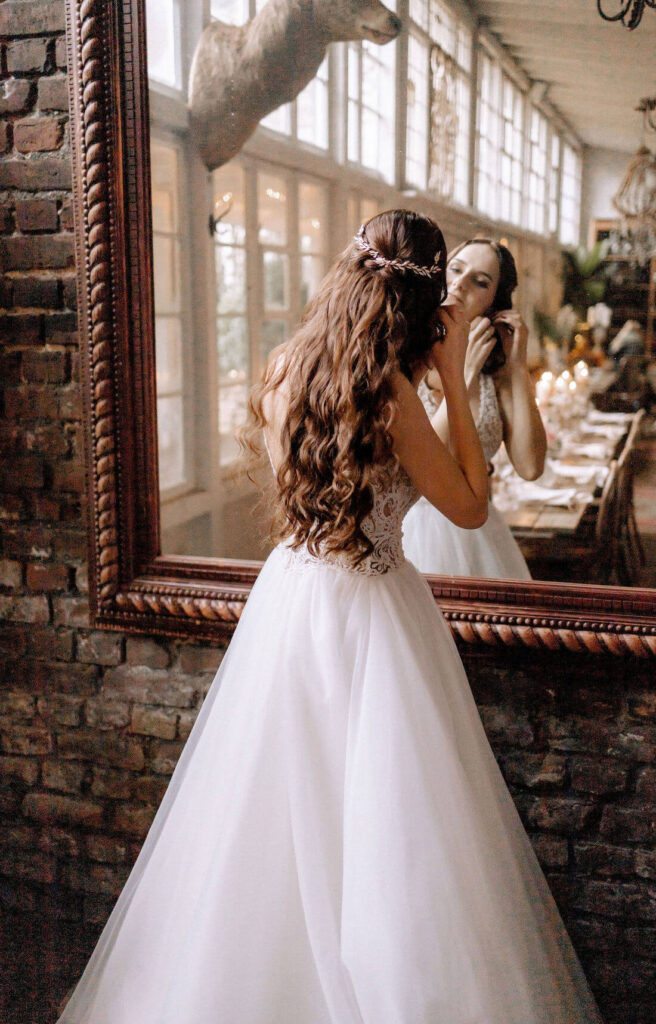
346, 20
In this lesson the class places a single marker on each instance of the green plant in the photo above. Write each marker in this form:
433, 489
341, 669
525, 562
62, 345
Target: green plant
584, 278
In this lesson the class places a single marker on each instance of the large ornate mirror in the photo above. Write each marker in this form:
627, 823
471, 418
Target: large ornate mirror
196, 259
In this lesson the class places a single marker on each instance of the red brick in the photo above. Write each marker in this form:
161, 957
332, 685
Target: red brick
148, 686
27, 740
12, 507
47, 644
643, 707
20, 328
104, 879
36, 214
628, 824
40, 291
199, 659
535, 769
44, 367
557, 814
550, 851
99, 648
150, 789
70, 476
165, 756
11, 574
153, 721
70, 403
29, 252
71, 611
17, 707
5, 136
598, 858
52, 677
101, 748
505, 727
646, 865
106, 714
616, 899
66, 221
15, 93
599, 777
50, 807
142, 651
12, 640
26, 403
65, 776
24, 609
53, 93
58, 842
62, 708
20, 769
60, 53
111, 784
186, 722
106, 849
30, 18
34, 175
48, 576
38, 867
132, 820
646, 784
28, 541
61, 328
25, 54
50, 441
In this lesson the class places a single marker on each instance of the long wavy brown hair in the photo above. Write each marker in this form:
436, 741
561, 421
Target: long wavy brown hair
366, 322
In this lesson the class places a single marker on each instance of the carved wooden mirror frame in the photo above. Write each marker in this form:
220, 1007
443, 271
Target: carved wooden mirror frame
132, 586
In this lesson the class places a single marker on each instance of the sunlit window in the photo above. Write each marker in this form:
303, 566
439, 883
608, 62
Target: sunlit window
537, 172
570, 196
163, 42
500, 143
371, 106
170, 313
554, 183
438, 101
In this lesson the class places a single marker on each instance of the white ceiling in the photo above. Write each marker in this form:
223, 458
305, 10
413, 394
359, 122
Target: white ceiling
597, 71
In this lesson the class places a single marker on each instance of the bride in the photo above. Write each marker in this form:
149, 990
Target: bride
482, 275
337, 845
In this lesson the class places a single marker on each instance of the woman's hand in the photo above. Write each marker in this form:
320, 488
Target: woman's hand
514, 335
448, 355
482, 339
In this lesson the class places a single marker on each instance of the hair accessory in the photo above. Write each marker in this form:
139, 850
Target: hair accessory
395, 264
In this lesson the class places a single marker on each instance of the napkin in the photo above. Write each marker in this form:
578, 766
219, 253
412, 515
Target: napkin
563, 497
614, 430
594, 416
589, 451
581, 474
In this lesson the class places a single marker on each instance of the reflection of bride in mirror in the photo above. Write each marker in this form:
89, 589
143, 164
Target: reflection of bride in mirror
482, 274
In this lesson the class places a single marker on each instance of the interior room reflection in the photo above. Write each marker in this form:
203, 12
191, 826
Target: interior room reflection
467, 116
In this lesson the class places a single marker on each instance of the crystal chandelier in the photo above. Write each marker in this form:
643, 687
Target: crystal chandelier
629, 13
635, 199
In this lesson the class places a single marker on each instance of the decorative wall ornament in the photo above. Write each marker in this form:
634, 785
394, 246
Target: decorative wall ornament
240, 73
635, 200
443, 123
629, 13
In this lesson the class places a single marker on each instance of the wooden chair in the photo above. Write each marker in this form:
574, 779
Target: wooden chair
630, 551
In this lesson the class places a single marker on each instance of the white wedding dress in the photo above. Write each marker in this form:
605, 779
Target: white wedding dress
337, 844
437, 546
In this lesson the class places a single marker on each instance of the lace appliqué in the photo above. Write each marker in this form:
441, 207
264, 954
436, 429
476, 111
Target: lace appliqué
394, 495
489, 424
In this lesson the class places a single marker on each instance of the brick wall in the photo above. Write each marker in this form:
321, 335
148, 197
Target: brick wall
91, 723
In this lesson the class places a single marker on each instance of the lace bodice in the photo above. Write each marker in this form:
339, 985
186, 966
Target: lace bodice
488, 422
394, 495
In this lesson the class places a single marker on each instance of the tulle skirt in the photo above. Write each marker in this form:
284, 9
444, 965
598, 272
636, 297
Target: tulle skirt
436, 545
337, 844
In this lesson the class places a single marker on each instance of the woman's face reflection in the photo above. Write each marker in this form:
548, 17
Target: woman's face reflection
472, 276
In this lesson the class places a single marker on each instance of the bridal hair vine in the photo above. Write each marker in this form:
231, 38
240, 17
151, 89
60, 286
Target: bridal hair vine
396, 264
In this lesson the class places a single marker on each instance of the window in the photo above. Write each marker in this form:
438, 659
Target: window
554, 184
371, 106
500, 143
171, 314
163, 32
438, 101
570, 196
537, 173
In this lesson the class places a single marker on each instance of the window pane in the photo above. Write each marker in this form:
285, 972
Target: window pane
232, 12
232, 340
230, 279
233, 406
163, 41
168, 354
166, 268
170, 436
313, 217
272, 209
312, 109
274, 332
279, 120
276, 273
312, 271
165, 186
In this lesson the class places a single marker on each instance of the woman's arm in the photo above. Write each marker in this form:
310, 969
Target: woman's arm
523, 430
454, 481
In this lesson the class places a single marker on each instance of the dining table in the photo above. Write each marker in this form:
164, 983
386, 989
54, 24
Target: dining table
578, 461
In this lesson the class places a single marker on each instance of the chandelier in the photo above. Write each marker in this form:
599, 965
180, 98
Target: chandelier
635, 200
629, 13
